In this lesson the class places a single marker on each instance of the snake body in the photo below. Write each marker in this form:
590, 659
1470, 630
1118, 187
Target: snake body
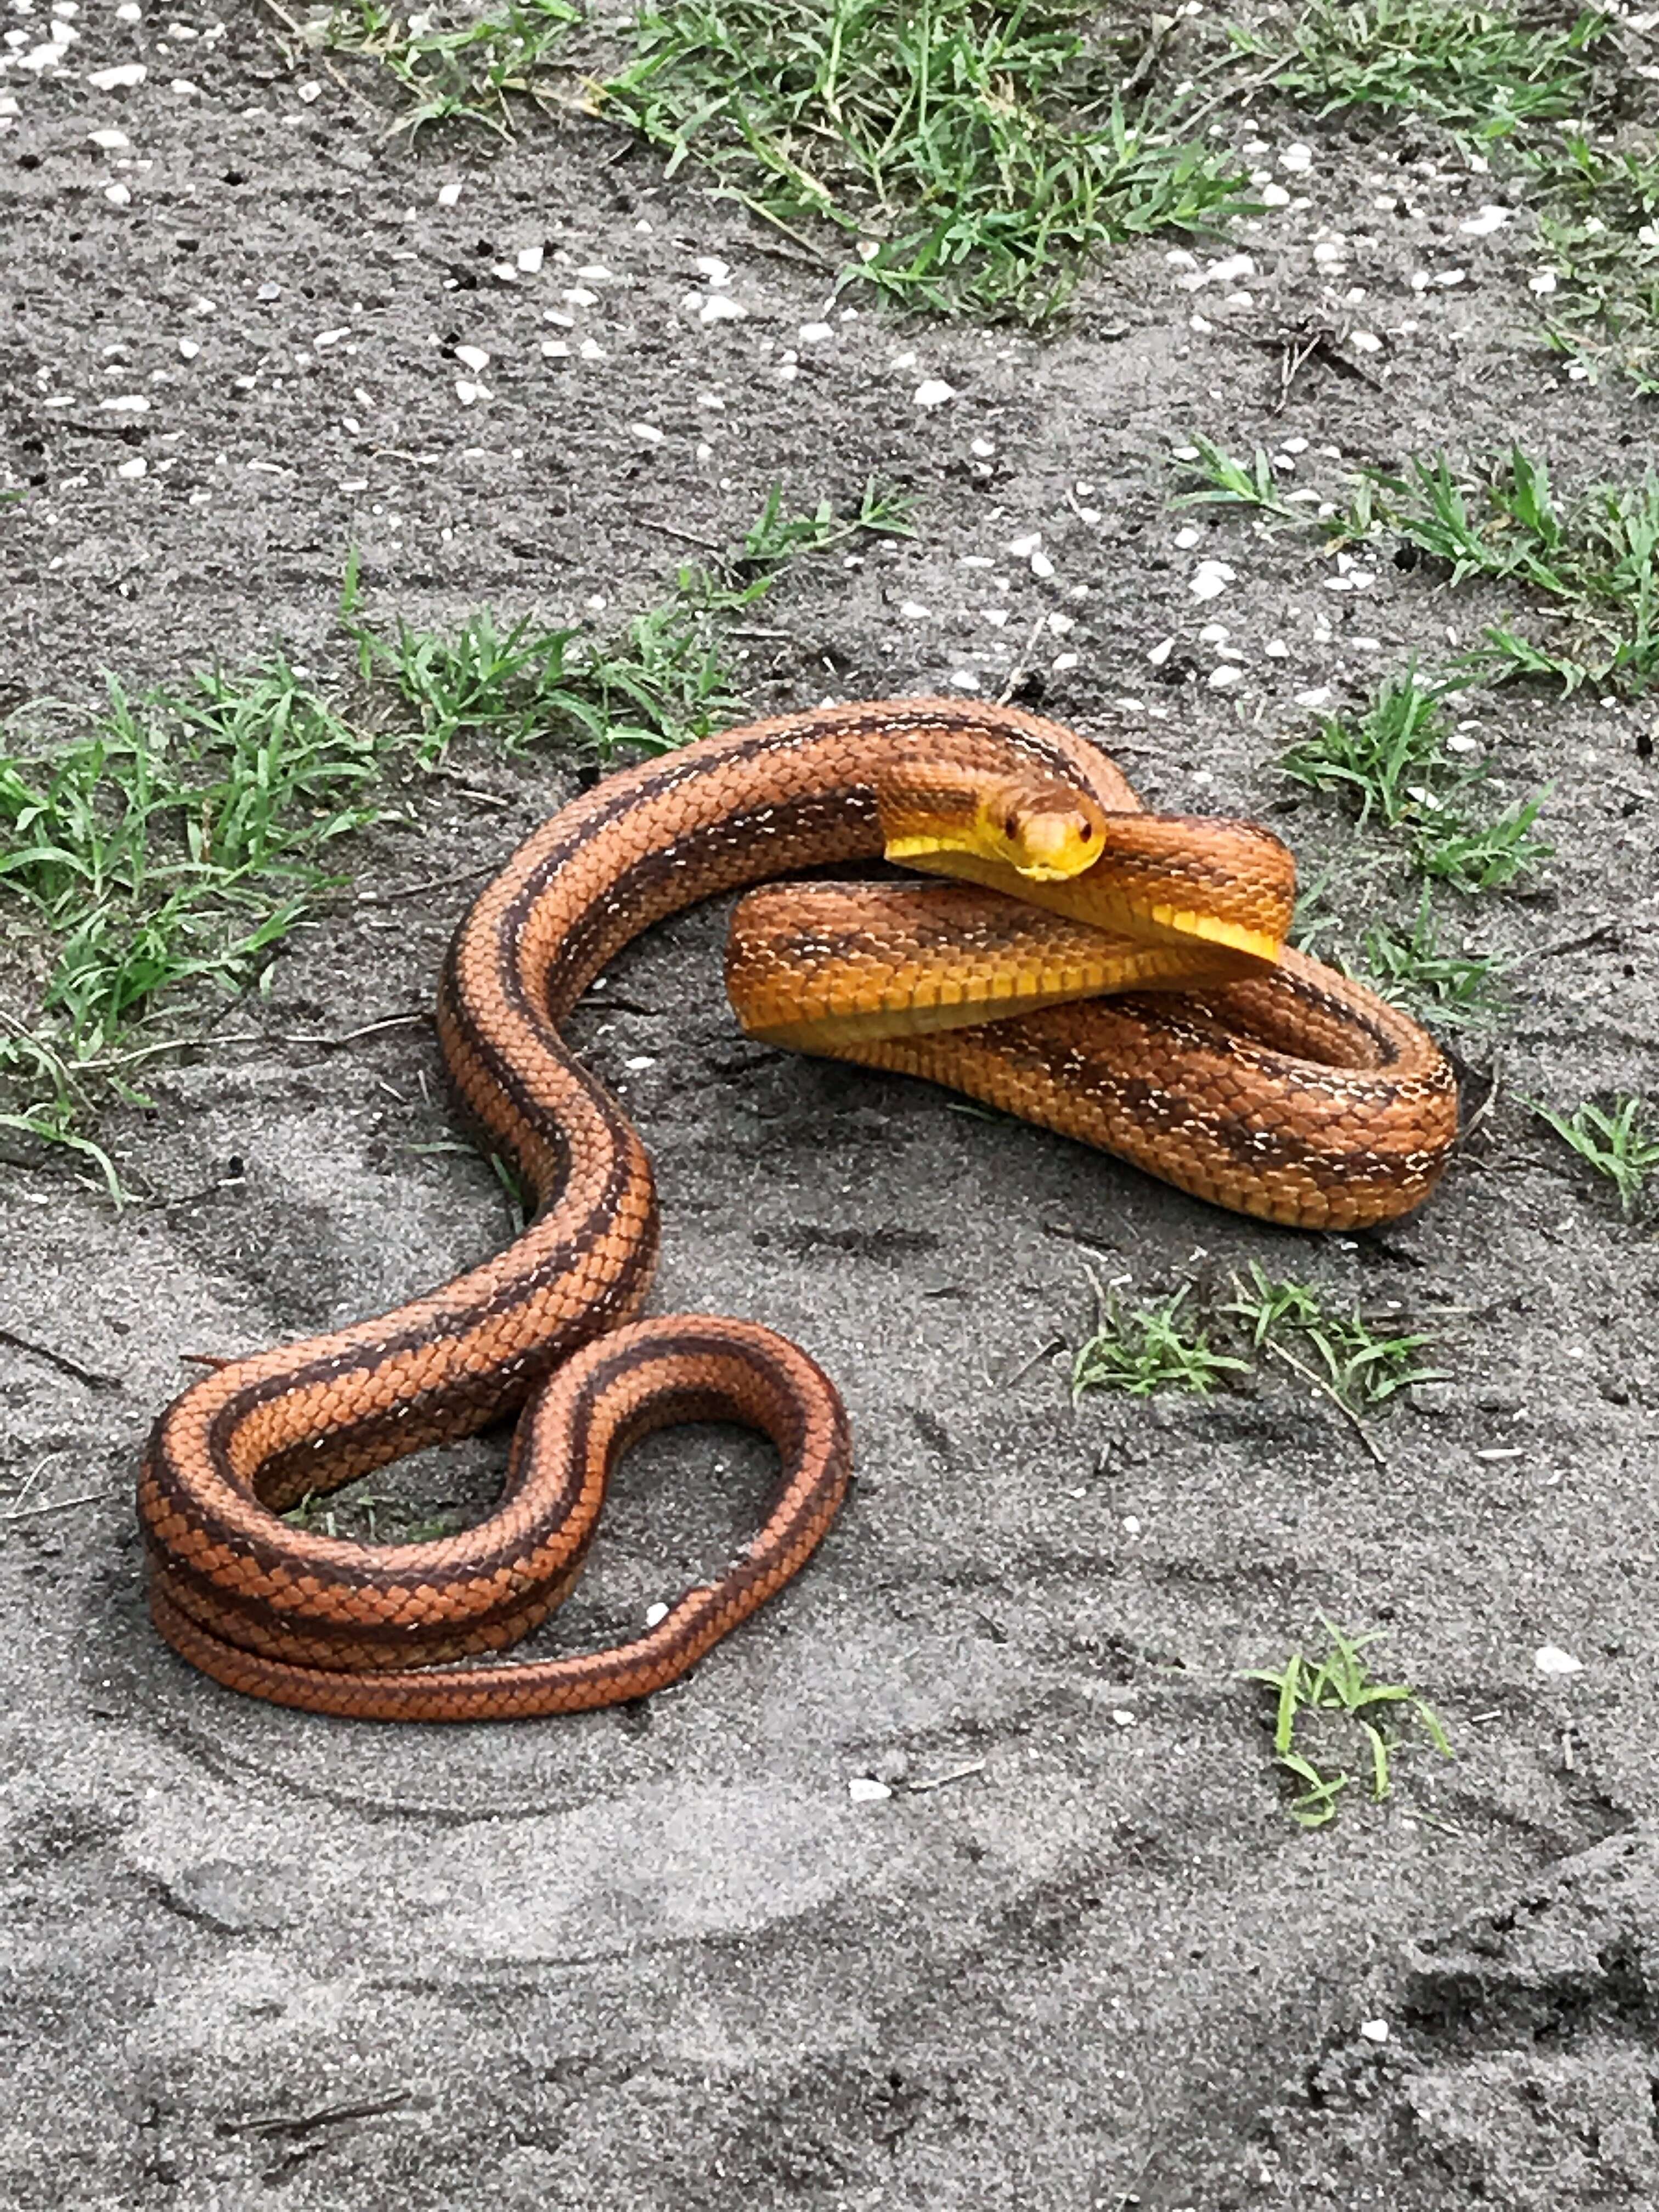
1269, 1084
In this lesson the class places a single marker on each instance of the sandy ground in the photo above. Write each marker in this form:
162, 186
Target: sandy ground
661, 1957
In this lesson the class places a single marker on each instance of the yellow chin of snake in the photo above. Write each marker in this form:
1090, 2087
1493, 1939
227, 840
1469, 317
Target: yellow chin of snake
1216, 887
1047, 846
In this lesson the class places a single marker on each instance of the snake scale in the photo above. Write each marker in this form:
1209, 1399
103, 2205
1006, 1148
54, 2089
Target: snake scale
1228, 1065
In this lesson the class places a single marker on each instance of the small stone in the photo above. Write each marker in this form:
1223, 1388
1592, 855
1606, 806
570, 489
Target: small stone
126, 403
555, 349
1297, 158
138, 466
472, 357
1374, 2031
1551, 1659
982, 449
1221, 679
1122, 1717
110, 142
1275, 196
865, 1789
269, 291
591, 350
722, 308
1319, 698
189, 348
713, 269
1161, 652
447, 195
469, 394
1210, 579
307, 92
528, 260
646, 433
816, 333
933, 392
1276, 649
117, 195
119, 79
1483, 225
1364, 342
1543, 283
1041, 566
655, 1614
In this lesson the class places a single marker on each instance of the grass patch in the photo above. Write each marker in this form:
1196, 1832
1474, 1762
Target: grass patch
1476, 70
1598, 214
1393, 765
1589, 566
1346, 1356
1144, 1349
468, 74
1620, 1141
166, 846
971, 154
662, 682
1340, 1687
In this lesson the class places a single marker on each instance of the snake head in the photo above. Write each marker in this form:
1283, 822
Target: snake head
1044, 831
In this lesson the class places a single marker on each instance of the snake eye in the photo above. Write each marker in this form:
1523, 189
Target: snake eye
1085, 833
1011, 827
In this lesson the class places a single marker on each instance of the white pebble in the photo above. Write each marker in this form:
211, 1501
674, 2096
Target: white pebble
591, 350
1364, 342
711, 267
448, 194
1161, 652
137, 467
1275, 196
1210, 579
1187, 538
1041, 564
722, 308
1060, 624
816, 333
1543, 283
1214, 634
982, 449
580, 296
467, 393
1297, 158
1122, 1717
309, 91
128, 403
117, 195
1551, 1659
646, 433
913, 610
1023, 548
528, 259
1221, 678
112, 142
865, 1789
472, 357
932, 391
964, 679
1276, 649
1319, 698
1374, 2031
189, 348
1483, 225
118, 79
555, 349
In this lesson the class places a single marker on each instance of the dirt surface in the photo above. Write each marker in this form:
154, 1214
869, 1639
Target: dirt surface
662, 1957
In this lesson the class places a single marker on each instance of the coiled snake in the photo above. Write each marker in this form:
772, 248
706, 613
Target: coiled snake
1234, 1067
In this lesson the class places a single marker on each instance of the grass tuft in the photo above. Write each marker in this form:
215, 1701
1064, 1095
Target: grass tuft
1393, 765
1339, 1685
1143, 1350
1476, 70
1352, 1364
470, 73
1620, 1141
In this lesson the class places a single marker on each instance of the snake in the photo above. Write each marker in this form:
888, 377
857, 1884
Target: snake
1222, 1060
